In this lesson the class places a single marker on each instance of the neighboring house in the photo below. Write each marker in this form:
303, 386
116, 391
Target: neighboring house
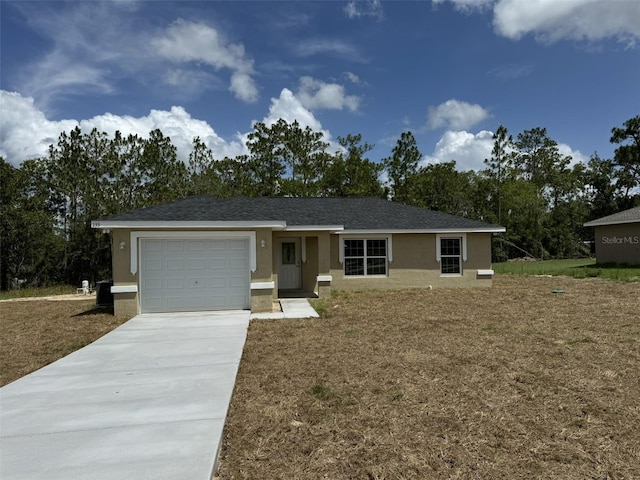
618, 237
205, 253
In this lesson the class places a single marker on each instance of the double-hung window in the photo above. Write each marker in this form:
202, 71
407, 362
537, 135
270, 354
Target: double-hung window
450, 256
363, 257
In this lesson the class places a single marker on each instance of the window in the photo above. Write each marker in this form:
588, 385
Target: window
365, 257
451, 256
288, 253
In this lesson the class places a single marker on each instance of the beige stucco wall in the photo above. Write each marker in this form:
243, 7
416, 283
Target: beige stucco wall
128, 303
618, 243
309, 268
123, 303
261, 301
414, 265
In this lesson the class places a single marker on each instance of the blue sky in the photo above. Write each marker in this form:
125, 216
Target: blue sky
449, 71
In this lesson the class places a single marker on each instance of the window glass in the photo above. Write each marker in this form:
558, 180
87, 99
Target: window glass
289, 253
376, 266
354, 248
450, 264
450, 258
376, 248
450, 246
365, 257
354, 266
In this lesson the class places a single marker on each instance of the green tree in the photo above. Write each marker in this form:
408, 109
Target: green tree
441, 187
203, 178
539, 162
627, 158
28, 244
287, 159
350, 173
500, 165
402, 167
165, 177
600, 188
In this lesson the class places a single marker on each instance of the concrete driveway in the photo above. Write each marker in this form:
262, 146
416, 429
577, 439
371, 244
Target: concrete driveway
146, 401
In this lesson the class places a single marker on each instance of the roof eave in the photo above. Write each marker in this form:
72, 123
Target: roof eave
315, 228
598, 223
354, 231
194, 225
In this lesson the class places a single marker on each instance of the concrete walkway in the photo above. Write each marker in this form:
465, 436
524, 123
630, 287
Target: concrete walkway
291, 308
146, 401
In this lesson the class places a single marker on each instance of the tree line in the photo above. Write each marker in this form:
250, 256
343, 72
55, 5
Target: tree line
527, 185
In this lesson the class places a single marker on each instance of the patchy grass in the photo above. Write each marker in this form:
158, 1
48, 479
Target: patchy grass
37, 292
36, 333
576, 268
500, 383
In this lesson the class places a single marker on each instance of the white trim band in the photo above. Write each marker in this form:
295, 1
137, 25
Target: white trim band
124, 289
485, 272
153, 224
263, 285
324, 278
251, 236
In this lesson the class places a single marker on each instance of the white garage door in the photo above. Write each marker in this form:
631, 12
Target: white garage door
180, 275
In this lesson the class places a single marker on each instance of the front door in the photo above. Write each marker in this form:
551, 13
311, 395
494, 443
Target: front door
289, 271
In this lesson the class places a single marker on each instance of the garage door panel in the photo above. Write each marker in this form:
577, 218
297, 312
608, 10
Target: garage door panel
175, 303
152, 264
194, 274
236, 281
153, 245
174, 245
175, 283
152, 283
197, 264
175, 264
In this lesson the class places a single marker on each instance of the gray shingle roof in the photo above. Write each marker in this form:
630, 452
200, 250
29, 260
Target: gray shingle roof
352, 213
626, 216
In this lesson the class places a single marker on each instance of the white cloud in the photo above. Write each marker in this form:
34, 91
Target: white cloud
314, 94
244, 88
352, 77
455, 115
576, 155
317, 46
466, 6
186, 42
27, 133
470, 150
370, 8
24, 131
467, 149
553, 20
289, 108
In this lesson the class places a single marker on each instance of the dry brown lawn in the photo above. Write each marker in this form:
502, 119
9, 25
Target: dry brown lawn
36, 333
502, 383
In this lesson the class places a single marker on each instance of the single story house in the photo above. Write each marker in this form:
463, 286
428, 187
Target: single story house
618, 237
205, 253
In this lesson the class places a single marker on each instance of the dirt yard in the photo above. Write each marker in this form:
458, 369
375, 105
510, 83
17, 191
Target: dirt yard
502, 383
36, 333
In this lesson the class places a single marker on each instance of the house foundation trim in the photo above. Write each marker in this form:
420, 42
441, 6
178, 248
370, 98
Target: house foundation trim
124, 289
263, 285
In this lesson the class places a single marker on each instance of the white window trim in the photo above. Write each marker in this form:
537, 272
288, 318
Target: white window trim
388, 238
360, 237
463, 237
135, 236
